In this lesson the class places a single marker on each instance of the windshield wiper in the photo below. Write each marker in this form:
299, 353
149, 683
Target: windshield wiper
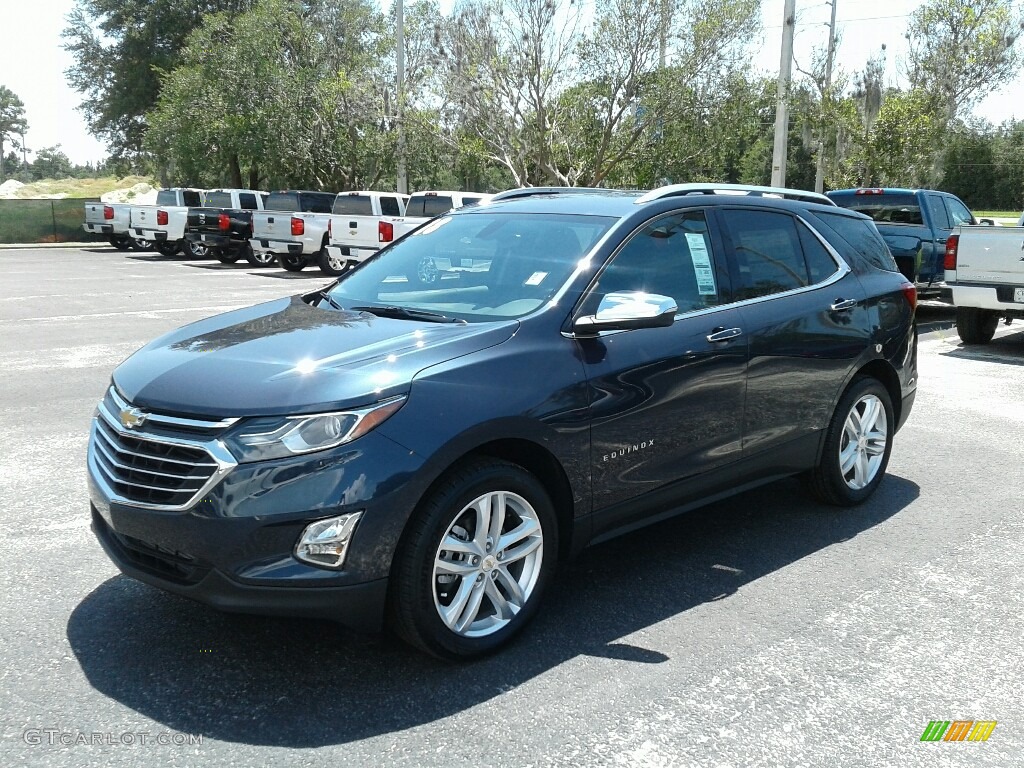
405, 313
327, 297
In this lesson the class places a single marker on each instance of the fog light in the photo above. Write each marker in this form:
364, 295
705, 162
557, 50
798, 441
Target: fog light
325, 542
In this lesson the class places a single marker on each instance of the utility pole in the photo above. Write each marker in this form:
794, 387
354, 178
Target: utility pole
819, 176
782, 107
663, 33
403, 182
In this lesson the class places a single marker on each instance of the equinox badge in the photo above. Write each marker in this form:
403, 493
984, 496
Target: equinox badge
132, 417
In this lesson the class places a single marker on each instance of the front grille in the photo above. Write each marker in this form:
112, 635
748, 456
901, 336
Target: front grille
173, 566
160, 461
144, 470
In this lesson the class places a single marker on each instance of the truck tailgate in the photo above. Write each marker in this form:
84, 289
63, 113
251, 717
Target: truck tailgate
991, 255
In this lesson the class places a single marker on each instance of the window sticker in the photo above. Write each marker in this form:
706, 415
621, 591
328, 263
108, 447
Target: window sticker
701, 264
536, 278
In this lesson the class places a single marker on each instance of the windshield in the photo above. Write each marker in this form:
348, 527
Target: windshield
475, 267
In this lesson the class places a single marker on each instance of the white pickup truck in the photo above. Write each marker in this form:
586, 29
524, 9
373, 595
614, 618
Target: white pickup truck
985, 270
163, 224
112, 220
422, 207
292, 227
356, 230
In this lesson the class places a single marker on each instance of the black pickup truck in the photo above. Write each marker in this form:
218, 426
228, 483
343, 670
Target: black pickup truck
224, 226
915, 224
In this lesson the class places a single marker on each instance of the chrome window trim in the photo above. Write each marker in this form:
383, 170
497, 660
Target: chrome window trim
175, 421
225, 462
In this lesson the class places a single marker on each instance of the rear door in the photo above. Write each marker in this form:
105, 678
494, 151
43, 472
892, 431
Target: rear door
666, 403
806, 321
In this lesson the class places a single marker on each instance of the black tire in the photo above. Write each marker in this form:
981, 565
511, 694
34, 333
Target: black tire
332, 267
418, 592
141, 245
263, 259
828, 481
292, 263
165, 248
976, 326
227, 256
196, 250
121, 242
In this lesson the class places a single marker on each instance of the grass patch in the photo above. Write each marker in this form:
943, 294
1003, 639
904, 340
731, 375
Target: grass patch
998, 214
80, 187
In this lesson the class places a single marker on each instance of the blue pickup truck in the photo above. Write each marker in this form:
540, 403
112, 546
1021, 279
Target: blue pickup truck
915, 224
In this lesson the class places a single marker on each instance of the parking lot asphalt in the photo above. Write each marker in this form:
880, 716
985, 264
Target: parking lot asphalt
766, 630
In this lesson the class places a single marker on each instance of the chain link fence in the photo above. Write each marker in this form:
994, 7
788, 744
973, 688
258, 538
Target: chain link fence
45, 221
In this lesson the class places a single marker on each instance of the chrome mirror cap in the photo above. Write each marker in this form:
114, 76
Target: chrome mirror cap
628, 310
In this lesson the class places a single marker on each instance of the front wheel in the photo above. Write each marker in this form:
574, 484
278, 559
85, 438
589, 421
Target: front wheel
857, 445
259, 258
292, 262
227, 256
976, 326
140, 244
474, 561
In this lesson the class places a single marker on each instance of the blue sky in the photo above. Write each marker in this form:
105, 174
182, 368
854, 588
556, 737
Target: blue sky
32, 62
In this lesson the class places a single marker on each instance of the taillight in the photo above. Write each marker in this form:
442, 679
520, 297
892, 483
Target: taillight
910, 294
161, 218
298, 226
385, 231
224, 221
873, 191
108, 212
952, 246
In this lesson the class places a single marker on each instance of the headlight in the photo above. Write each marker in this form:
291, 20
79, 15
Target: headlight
276, 437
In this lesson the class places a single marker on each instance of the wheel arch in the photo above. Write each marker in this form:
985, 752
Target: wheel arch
882, 371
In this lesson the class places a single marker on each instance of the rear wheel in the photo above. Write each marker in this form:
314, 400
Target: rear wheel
196, 250
474, 561
292, 262
121, 242
259, 259
976, 326
857, 445
332, 265
166, 248
227, 256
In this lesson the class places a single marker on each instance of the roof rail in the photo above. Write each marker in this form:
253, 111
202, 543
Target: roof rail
515, 194
676, 190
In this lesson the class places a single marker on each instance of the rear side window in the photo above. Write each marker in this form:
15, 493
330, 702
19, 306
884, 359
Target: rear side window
282, 201
248, 201
353, 205
769, 255
887, 208
937, 211
820, 264
166, 197
218, 199
958, 213
860, 236
191, 198
389, 206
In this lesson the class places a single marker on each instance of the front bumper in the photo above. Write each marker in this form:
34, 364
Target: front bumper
233, 548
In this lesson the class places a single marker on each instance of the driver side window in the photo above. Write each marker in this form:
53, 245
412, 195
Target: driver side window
670, 256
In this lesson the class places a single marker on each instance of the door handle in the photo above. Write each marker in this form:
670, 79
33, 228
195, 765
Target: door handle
724, 334
842, 304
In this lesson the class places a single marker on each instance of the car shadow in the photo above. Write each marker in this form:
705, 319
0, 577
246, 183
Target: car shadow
1007, 348
296, 683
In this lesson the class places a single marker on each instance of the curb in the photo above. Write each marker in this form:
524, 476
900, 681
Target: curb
50, 246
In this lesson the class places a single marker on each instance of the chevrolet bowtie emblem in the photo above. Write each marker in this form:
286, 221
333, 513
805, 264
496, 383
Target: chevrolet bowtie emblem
132, 417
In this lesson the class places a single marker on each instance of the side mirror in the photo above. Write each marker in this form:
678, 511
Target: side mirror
627, 311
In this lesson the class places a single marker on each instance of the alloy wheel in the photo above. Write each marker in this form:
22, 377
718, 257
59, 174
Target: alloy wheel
862, 447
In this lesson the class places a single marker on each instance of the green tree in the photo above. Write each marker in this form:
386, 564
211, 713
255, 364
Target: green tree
959, 50
50, 163
12, 121
119, 48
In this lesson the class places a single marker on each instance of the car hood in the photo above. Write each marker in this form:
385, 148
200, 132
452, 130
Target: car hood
287, 357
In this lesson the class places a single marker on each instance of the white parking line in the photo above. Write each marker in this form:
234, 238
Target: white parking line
138, 313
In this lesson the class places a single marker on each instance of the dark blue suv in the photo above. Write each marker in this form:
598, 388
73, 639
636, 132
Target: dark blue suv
422, 454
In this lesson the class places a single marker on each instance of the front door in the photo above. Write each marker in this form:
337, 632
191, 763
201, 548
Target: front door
666, 403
